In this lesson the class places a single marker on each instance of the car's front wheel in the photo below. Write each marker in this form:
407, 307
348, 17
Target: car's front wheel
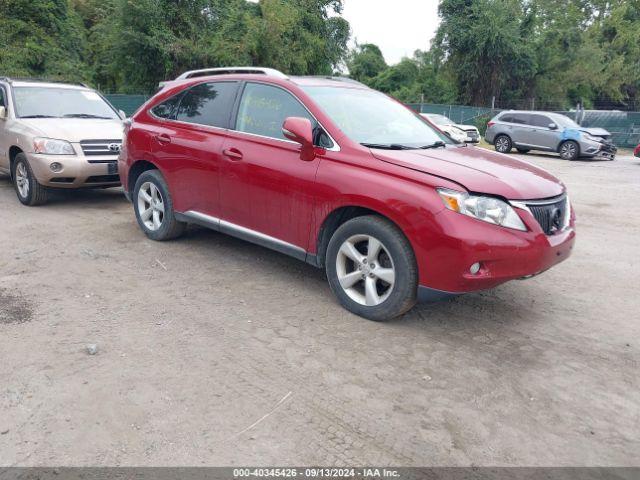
569, 150
28, 189
154, 207
372, 269
503, 144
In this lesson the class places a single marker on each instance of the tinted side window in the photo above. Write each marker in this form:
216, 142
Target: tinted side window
168, 108
263, 110
540, 121
208, 104
506, 118
3, 102
520, 118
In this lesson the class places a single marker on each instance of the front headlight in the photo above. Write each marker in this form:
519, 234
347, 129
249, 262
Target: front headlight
487, 209
588, 136
51, 146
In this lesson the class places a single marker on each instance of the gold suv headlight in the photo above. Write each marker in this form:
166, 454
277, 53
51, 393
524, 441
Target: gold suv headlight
50, 146
487, 209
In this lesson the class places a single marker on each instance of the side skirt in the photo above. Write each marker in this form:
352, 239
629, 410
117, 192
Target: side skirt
243, 233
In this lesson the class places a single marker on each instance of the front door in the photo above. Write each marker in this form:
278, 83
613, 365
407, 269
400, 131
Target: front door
266, 190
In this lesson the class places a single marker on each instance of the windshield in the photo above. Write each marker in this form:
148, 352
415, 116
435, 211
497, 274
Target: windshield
371, 118
51, 102
440, 119
566, 122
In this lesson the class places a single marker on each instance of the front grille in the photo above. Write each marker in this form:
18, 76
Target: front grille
551, 214
102, 148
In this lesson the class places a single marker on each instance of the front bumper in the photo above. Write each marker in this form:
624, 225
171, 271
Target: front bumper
76, 171
597, 150
504, 254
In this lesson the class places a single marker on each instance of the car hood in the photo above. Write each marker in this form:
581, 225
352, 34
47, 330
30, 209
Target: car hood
597, 132
75, 130
467, 127
479, 171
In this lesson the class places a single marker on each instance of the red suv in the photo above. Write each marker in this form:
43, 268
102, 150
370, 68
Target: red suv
343, 177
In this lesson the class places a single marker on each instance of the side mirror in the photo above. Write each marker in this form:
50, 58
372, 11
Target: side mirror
299, 130
123, 116
3, 113
553, 126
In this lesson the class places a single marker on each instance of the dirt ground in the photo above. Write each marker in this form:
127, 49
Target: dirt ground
212, 351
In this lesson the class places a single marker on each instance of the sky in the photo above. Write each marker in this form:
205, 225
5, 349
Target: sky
398, 27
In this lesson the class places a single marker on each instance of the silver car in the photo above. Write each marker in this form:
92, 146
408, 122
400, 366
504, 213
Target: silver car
56, 135
548, 132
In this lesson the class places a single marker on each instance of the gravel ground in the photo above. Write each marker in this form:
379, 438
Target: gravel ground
212, 351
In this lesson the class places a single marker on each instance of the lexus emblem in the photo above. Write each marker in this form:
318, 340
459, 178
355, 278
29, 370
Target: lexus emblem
115, 147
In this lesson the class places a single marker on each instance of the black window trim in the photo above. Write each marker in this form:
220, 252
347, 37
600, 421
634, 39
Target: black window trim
236, 109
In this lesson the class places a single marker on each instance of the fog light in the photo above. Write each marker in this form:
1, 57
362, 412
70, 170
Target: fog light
475, 268
56, 167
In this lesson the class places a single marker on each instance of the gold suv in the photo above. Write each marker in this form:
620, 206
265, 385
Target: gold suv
55, 135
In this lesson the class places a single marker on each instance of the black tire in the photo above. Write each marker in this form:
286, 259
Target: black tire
396, 253
523, 150
34, 194
169, 228
569, 150
503, 143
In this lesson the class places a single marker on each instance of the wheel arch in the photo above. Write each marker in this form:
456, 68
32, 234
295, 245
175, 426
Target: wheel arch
14, 151
137, 169
339, 216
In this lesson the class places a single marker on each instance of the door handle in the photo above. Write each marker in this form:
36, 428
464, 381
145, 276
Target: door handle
163, 138
233, 154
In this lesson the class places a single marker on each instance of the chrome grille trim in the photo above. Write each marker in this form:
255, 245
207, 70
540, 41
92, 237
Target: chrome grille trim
101, 148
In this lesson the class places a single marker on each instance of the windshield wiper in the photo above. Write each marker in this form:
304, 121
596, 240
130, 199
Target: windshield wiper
85, 115
38, 116
387, 146
437, 144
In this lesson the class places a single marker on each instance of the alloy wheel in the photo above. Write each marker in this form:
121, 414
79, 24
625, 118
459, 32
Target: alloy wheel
22, 180
365, 270
568, 150
150, 206
502, 144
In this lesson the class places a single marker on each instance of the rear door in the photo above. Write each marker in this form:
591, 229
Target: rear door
188, 143
521, 129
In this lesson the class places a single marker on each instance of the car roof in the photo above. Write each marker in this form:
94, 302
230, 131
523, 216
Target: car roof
530, 112
262, 75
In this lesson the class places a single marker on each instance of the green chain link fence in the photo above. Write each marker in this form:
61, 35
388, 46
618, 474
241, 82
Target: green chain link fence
624, 126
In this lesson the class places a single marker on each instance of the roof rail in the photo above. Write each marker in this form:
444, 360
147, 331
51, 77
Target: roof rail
230, 70
337, 78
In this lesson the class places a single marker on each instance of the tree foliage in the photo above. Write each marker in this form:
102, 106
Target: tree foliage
551, 53
547, 53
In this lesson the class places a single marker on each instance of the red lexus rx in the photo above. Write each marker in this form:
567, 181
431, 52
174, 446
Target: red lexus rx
343, 177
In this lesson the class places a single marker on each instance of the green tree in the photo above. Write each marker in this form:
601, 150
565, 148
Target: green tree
42, 38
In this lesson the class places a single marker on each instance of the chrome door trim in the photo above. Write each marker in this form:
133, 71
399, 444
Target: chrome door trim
243, 233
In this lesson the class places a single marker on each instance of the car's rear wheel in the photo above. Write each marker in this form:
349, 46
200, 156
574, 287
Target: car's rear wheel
503, 144
372, 269
154, 207
28, 190
569, 150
